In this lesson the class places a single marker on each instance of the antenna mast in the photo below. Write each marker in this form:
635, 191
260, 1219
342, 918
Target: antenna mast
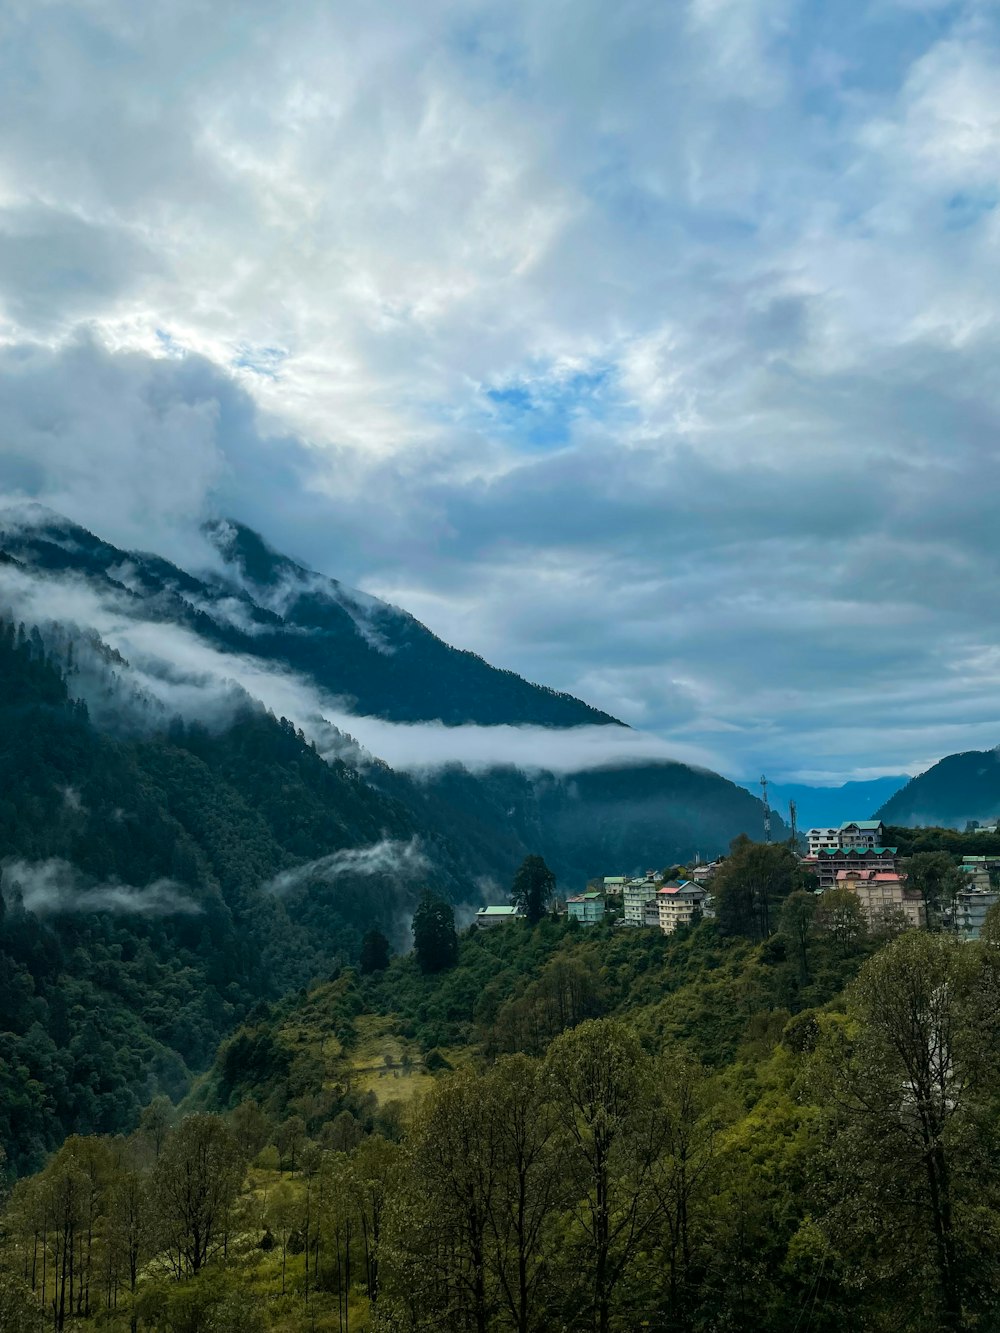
767, 809
792, 819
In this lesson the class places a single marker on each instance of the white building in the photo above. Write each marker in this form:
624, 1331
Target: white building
635, 895
820, 838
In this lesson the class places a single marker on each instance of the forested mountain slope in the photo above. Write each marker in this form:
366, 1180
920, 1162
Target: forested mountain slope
138, 923
958, 788
375, 657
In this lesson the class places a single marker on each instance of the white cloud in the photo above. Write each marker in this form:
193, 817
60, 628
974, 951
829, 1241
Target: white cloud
770, 227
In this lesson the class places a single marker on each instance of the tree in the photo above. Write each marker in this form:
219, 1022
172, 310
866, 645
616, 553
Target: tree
795, 923
839, 912
753, 877
434, 940
528, 1181
939, 879
912, 1094
533, 888
601, 1086
195, 1183
374, 952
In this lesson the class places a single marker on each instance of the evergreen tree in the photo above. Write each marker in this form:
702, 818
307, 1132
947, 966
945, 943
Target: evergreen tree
434, 940
534, 885
374, 952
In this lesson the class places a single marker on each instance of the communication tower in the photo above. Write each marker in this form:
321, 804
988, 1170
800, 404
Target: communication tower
767, 809
793, 823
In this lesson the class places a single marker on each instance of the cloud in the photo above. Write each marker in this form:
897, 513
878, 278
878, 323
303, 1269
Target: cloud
56, 888
401, 860
651, 355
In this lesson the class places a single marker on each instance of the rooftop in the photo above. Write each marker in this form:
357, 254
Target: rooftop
499, 911
869, 825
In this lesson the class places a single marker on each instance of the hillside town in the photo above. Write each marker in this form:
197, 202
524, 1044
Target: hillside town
852, 857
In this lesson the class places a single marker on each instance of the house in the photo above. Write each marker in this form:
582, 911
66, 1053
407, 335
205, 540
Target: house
651, 913
971, 908
587, 908
862, 833
636, 894
488, 917
615, 884
677, 903
882, 895
830, 861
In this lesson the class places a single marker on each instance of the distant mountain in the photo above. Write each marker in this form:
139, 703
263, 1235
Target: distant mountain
820, 807
376, 658
958, 788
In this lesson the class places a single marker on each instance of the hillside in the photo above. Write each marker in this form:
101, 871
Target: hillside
376, 658
139, 924
958, 788
567, 1129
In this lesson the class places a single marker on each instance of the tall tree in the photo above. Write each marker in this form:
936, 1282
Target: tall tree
600, 1082
374, 952
195, 1183
913, 1100
533, 888
434, 940
753, 878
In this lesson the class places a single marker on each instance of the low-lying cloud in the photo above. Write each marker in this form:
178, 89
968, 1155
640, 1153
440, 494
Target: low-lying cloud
57, 888
403, 860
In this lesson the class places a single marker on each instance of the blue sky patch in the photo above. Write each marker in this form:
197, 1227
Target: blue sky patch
541, 413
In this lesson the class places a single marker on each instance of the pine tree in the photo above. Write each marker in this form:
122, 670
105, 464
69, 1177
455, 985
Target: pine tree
434, 939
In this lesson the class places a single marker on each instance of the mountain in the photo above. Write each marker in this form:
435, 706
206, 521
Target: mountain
819, 807
370, 659
374, 658
172, 852
958, 788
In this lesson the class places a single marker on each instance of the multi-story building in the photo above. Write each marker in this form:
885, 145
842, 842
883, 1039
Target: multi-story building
818, 839
677, 903
587, 908
830, 861
883, 895
971, 908
862, 833
853, 833
635, 894
651, 913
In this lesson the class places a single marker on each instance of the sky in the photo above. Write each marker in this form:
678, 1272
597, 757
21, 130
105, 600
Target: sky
647, 349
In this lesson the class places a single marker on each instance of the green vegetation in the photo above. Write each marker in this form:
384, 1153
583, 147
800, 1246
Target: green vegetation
601, 1129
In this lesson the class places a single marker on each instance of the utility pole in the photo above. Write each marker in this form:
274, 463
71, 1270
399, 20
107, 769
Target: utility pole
767, 809
792, 820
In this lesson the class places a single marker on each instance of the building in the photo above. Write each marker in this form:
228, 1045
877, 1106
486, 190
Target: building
677, 903
854, 833
978, 870
862, 833
818, 839
651, 913
587, 908
488, 917
883, 895
615, 884
971, 907
635, 895
830, 861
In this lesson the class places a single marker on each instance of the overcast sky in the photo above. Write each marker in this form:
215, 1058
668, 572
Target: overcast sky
650, 349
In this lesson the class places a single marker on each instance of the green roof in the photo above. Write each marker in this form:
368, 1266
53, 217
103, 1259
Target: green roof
855, 851
498, 911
